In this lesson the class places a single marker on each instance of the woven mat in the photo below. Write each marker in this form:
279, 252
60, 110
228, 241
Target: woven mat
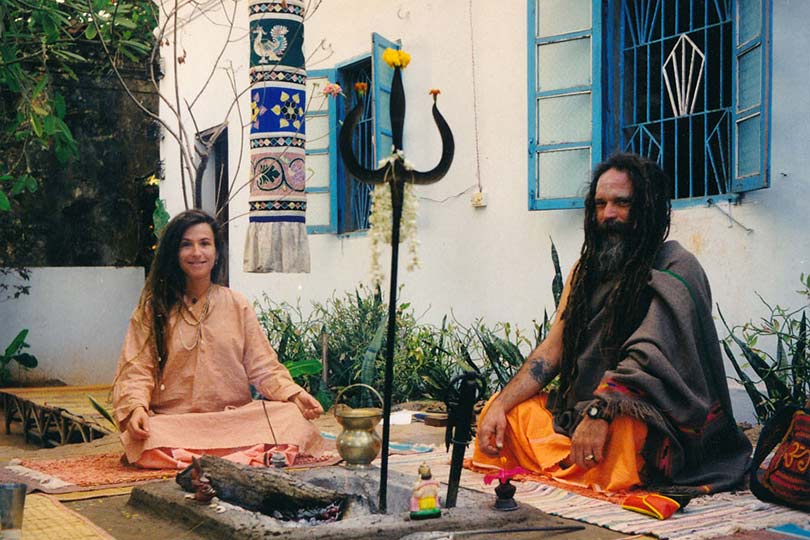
100, 472
394, 448
45, 518
707, 517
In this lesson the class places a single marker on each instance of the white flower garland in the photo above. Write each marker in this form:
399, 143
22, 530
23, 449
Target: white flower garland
381, 222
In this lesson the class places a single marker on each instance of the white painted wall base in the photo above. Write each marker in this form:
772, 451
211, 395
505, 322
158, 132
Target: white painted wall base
77, 318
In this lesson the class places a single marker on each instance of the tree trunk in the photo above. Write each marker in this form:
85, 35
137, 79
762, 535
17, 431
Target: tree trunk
262, 489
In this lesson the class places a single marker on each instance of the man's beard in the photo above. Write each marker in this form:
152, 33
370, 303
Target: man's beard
612, 250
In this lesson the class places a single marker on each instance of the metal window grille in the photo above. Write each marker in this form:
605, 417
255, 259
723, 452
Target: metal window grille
675, 77
354, 197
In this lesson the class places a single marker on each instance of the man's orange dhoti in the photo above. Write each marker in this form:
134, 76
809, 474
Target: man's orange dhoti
531, 442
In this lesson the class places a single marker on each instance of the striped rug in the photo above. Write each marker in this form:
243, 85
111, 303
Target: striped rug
703, 518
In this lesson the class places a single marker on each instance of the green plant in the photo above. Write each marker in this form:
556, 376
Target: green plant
295, 339
349, 331
102, 410
784, 373
43, 43
14, 353
502, 353
350, 322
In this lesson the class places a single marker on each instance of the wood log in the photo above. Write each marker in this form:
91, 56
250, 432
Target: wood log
259, 488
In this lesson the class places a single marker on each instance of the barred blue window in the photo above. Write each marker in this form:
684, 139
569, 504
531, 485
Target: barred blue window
354, 197
337, 202
686, 83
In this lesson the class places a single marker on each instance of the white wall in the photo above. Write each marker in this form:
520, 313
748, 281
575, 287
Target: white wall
77, 318
494, 262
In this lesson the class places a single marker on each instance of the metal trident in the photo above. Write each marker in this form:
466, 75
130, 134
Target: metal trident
396, 173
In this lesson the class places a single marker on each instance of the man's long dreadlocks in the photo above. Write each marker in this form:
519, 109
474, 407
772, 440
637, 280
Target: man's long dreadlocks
625, 302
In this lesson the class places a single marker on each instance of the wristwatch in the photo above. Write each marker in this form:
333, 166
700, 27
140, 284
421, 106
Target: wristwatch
596, 411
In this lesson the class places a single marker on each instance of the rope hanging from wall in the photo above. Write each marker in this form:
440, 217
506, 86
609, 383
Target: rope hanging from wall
277, 236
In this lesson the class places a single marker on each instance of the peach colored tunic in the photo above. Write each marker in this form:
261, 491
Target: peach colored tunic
202, 399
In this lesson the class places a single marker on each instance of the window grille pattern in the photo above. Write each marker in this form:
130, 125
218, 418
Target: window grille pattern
676, 94
356, 196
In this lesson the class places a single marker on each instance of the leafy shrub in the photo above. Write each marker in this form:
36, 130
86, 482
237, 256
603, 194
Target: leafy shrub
785, 373
14, 352
352, 327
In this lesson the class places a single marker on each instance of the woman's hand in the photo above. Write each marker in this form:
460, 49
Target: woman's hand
138, 424
307, 404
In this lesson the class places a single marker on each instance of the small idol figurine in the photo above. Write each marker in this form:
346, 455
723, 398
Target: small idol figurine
425, 496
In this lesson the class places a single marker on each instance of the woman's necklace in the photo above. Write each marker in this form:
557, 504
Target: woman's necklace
195, 322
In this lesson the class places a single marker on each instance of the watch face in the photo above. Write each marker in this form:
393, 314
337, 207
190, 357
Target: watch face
594, 411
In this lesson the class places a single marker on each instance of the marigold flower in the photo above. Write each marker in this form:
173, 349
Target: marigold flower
396, 59
361, 88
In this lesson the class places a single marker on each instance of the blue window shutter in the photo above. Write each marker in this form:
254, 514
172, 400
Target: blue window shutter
322, 154
752, 126
382, 75
564, 100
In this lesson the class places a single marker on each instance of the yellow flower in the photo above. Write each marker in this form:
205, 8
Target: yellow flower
396, 59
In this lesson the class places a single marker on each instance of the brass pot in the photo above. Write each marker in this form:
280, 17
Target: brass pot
358, 444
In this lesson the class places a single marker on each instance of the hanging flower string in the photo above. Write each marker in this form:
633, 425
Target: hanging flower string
380, 227
380, 221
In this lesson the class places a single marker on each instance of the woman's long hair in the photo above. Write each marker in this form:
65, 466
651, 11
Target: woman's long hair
166, 282
626, 301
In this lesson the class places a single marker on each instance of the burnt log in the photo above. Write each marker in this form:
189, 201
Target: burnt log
267, 490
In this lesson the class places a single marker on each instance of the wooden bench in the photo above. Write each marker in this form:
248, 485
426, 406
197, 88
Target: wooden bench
57, 415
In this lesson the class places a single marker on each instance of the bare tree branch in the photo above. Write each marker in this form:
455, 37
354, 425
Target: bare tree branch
121, 81
219, 57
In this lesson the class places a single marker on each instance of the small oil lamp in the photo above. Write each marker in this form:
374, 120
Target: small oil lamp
505, 491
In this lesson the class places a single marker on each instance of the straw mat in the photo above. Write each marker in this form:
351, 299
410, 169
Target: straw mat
45, 518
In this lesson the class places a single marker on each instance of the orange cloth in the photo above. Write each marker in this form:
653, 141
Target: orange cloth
532, 443
202, 400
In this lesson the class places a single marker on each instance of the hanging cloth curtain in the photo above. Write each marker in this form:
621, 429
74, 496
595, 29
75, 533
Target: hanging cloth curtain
277, 235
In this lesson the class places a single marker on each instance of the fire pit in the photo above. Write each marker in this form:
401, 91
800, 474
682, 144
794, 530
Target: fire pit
228, 517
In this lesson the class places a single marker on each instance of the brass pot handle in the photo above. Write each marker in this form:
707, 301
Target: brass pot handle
340, 394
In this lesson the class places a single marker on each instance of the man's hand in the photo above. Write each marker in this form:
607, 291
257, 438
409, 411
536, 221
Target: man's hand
589, 442
308, 405
138, 424
492, 429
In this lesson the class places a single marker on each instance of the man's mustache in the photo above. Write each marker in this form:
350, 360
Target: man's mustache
614, 227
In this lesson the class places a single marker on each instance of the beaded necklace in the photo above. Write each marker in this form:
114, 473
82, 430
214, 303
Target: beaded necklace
195, 322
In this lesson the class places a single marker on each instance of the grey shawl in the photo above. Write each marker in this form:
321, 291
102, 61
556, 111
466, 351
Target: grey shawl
671, 377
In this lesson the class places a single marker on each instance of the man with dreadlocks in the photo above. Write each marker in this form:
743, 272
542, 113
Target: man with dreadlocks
642, 397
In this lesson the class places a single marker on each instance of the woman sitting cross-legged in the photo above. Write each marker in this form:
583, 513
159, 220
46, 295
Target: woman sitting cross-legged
192, 350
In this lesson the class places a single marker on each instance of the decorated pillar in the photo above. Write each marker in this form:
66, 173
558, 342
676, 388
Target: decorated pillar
277, 236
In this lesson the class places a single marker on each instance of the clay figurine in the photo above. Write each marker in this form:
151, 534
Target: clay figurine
200, 483
425, 496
